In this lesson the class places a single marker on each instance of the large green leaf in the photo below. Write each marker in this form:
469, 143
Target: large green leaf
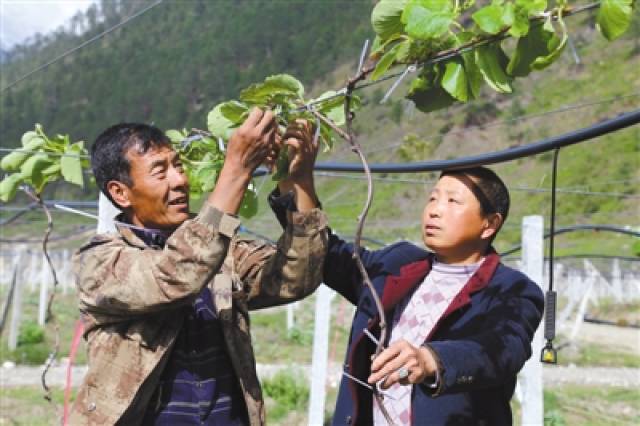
614, 17
32, 171
70, 164
282, 85
426, 92
454, 80
235, 111
207, 176
385, 18
490, 18
428, 19
27, 137
492, 63
399, 50
518, 20
556, 47
537, 43
12, 161
219, 125
9, 186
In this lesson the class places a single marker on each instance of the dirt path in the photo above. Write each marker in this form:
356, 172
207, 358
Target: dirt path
552, 375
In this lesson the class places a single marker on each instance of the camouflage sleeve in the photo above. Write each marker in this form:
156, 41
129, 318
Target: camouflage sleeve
292, 269
115, 278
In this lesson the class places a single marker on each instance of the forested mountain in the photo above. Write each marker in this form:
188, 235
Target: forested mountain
173, 63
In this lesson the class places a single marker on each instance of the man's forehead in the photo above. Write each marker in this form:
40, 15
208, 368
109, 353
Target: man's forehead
155, 152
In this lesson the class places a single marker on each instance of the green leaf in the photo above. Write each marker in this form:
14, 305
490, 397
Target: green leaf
12, 161
218, 124
614, 17
175, 136
426, 92
490, 18
387, 60
71, 166
474, 76
249, 206
533, 7
519, 20
27, 137
385, 18
334, 107
555, 46
282, 166
539, 42
31, 171
454, 80
235, 111
207, 176
9, 186
428, 19
281, 85
492, 63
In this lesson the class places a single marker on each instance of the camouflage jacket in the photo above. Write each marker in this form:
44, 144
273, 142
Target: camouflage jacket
130, 297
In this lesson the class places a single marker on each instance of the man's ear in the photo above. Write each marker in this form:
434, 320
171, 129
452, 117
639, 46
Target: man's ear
119, 193
492, 225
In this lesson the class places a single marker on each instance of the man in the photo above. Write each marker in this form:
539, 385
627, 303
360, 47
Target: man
460, 323
165, 300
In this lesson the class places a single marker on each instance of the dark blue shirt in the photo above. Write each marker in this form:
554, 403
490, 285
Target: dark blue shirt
198, 385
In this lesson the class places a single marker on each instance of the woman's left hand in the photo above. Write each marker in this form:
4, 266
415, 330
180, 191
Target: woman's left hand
418, 362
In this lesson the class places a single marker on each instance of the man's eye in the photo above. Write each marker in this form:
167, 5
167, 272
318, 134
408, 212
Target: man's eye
453, 200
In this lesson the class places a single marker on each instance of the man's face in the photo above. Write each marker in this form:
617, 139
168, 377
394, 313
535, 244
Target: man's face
452, 224
159, 196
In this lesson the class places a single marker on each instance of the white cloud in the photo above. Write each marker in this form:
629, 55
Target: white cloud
21, 19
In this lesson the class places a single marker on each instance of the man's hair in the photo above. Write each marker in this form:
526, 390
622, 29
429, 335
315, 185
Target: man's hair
488, 188
109, 151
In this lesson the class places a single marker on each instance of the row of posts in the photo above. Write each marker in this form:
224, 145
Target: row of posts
530, 379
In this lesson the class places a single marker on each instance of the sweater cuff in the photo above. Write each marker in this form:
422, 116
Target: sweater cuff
307, 223
224, 223
434, 386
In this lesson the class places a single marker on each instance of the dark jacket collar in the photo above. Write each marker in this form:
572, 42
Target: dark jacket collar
398, 286
138, 236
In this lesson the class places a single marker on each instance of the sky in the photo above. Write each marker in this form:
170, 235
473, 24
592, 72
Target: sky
20, 19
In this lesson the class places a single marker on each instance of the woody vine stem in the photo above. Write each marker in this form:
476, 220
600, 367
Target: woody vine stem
362, 73
49, 313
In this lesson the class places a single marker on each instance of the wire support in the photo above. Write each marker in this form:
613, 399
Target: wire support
84, 44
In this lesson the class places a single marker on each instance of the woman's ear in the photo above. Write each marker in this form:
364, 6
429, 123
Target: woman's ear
493, 222
119, 193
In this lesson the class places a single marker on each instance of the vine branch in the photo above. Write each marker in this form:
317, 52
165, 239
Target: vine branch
363, 71
49, 317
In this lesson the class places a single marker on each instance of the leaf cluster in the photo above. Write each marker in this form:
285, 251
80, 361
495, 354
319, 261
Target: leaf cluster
203, 157
41, 160
421, 31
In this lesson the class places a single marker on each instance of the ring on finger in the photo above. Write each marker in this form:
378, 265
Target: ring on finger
403, 373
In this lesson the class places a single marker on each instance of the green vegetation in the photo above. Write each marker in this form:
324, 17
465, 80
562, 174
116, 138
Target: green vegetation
289, 390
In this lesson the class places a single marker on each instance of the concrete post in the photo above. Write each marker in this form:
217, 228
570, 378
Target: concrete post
320, 356
531, 375
45, 275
